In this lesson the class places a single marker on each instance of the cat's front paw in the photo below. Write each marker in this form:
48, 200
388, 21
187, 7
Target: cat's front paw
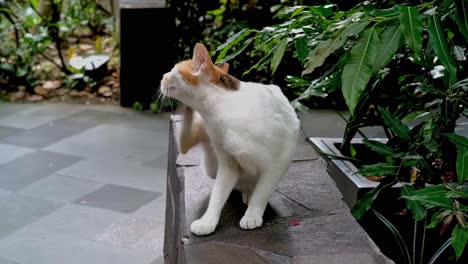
251, 222
202, 227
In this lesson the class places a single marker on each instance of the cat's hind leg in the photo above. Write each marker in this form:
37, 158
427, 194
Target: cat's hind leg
226, 179
253, 217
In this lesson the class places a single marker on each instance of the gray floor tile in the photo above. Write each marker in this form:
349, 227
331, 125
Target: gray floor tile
76, 221
4, 194
156, 209
158, 260
114, 141
62, 188
23, 171
62, 128
118, 171
135, 232
37, 248
38, 115
47, 134
11, 152
146, 121
4, 261
159, 162
7, 109
118, 198
19, 210
9, 131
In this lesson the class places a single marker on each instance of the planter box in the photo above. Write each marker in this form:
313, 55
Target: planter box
351, 184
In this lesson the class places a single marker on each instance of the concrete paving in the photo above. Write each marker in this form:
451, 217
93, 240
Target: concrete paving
81, 184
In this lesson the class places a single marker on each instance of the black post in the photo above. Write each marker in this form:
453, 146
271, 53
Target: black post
147, 48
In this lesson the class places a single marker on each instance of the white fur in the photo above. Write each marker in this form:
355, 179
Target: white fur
253, 132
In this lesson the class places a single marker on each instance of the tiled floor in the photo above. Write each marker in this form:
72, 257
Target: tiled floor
81, 184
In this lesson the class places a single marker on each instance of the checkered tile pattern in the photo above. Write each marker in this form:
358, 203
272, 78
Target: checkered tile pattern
81, 184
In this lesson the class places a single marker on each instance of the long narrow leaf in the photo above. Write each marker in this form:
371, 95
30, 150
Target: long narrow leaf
235, 53
231, 42
377, 169
317, 56
401, 243
301, 48
438, 42
462, 165
417, 210
358, 69
412, 26
378, 147
462, 16
365, 203
278, 55
431, 201
459, 141
390, 42
440, 251
459, 239
394, 124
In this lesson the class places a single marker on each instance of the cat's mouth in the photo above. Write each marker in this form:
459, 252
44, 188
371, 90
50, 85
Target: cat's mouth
168, 90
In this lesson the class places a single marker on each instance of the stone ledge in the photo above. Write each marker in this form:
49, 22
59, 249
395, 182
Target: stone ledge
305, 222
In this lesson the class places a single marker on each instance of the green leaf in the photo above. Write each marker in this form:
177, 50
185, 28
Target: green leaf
378, 147
365, 203
401, 243
377, 169
278, 55
438, 42
231, 42
358, 69
412, 26
317, 56
34, 3
417, 210
461, 16
431, 201
435, 190
236, 53
414, 115
435, 219
394, 124
459, 239
462, 165
459, 141
390, 12
390, 42
301, 48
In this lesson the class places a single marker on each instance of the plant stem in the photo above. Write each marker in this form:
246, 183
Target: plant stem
51, 60
414, 240
423, 241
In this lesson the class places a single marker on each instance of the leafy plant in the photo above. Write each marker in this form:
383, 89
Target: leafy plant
401, 67
35, 31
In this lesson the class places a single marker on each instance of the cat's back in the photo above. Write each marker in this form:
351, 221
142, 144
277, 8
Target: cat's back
266, 99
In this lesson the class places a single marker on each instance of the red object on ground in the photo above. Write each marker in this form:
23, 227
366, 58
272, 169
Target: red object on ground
294, 223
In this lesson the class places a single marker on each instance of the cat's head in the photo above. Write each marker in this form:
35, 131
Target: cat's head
197, 76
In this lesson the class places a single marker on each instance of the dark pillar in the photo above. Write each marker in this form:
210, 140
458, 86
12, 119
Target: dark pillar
147, 48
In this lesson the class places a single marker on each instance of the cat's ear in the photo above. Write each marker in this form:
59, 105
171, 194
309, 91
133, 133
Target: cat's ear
224, 67
201, 58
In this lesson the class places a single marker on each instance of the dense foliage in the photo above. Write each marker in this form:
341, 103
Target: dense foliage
40, 36
400, 65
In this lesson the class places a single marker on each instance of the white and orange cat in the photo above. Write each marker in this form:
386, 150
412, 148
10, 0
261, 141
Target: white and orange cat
248, 133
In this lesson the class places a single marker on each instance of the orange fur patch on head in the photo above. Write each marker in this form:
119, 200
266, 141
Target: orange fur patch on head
185, 69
